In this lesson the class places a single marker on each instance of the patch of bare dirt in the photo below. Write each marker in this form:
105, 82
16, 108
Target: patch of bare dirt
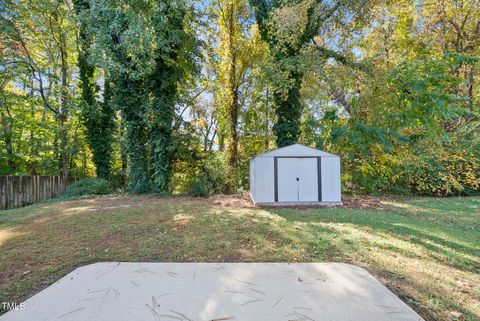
369, 202
362, 202
242, 201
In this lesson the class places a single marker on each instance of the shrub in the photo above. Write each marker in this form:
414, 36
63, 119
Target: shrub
88, 186
448, 173
198, 189
208, 169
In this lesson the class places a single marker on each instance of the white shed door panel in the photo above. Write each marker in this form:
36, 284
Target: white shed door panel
297, 179
264, 180
331, 179
287, 170
308, 180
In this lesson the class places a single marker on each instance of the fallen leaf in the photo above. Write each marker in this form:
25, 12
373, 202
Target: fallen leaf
456, 314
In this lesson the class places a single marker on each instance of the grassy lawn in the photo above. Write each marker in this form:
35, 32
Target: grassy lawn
426, 250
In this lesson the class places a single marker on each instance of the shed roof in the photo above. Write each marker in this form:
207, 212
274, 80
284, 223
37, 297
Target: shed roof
297, 150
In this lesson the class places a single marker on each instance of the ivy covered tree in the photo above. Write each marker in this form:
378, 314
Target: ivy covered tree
174, 61
98, 117
147, 50
288, 26
273, 18
114, 26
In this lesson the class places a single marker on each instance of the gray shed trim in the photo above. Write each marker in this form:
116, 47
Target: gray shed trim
284, 151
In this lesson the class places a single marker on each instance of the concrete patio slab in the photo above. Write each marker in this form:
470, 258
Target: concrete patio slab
210, 291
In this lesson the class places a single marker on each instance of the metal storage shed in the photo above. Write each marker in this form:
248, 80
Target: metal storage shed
295, 174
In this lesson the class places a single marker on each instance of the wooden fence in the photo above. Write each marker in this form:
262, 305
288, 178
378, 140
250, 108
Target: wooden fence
18, 191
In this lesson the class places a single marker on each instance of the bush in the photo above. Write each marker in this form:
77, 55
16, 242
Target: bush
198, 189
207, 168
438, 171
449, 173
88, 186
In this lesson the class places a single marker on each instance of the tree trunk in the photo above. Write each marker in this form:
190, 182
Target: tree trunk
7, 126
165, 93
288, 111
232, 109
6, 121
63, 108
123, 150
163, 85
34, 142
128, 95
471, 78
97, 117
267, 121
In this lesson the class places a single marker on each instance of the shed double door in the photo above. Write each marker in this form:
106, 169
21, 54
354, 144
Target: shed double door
297, 179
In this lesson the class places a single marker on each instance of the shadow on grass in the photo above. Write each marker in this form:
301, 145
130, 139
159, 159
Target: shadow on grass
444, 246
453, 245
451, 205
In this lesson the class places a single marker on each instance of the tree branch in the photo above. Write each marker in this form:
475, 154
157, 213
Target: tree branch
328, 53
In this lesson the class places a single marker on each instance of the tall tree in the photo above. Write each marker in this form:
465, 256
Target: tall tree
285, 46
174, 59
115, 26
98, 117
454, 26
288, 26
234, 59
147, 50
49, 63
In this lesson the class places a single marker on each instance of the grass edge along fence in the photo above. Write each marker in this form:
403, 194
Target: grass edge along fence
19, 191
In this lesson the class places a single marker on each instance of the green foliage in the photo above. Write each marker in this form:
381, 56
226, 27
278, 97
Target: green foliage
40, 133
147, 50
384, 138
371, 175
452, 168
88, 186
98, 117
436, 169
285, 42
192, 164
423, 89
419, 101
175, 61
287, 27
198, 188
441, 172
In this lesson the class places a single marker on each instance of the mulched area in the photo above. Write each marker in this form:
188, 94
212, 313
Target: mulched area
242, 201
363, 202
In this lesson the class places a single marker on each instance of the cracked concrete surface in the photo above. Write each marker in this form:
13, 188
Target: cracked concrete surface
215, 292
